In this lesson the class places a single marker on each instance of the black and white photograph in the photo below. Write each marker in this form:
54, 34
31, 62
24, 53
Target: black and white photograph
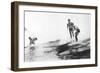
56, 35
53, 36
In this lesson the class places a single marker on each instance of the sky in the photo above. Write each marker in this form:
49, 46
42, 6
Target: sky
49, 26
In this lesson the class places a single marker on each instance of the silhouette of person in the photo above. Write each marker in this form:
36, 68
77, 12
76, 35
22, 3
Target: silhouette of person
77, 31
70, 27
32, 41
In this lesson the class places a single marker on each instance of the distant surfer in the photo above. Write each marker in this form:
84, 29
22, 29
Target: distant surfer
32, 40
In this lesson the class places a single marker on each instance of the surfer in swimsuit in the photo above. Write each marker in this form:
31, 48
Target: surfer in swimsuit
70, 27
77, 31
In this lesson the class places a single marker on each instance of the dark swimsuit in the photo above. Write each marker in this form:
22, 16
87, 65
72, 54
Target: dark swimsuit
71, 26
71, 29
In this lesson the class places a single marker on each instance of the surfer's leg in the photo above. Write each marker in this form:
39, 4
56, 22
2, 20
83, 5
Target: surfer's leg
70, 34
76, 36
